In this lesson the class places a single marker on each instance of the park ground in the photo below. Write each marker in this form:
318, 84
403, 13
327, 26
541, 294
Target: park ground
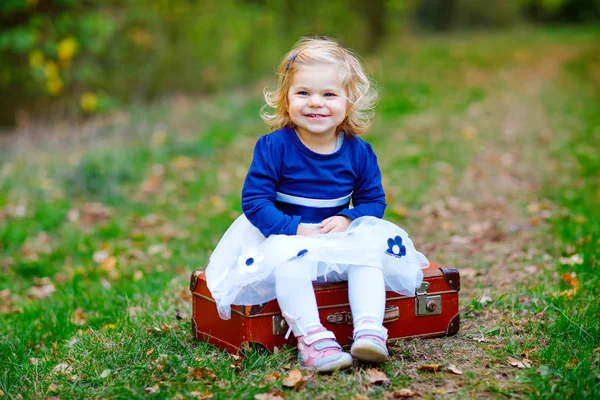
488, 144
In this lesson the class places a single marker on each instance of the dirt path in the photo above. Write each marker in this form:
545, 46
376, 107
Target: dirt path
484, 223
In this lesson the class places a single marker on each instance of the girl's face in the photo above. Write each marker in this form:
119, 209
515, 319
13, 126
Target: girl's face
317, 100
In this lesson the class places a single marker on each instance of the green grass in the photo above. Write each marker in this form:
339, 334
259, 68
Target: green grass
169, 178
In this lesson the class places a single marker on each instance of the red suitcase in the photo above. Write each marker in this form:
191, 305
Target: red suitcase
433, 312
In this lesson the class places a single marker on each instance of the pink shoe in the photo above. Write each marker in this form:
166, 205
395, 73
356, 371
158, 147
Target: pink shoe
319, 351
370, 343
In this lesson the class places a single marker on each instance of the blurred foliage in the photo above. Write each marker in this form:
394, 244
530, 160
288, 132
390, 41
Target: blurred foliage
89, 56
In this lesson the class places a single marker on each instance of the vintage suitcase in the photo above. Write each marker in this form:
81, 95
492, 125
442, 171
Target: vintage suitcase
433, 312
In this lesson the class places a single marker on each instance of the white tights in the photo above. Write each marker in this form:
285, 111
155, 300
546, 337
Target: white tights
366, 293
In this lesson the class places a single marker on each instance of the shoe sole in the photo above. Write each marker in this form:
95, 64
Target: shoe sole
334, 365
367, 351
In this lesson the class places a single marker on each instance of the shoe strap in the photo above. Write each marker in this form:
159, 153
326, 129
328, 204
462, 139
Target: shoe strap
310, 339
327, 344
371, 329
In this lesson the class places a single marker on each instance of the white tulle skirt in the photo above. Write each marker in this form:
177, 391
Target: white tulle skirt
243, 267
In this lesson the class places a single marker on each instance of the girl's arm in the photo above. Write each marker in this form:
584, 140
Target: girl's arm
368, 197
258, 194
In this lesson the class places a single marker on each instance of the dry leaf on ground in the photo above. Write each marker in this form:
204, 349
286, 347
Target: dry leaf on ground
294, 379
516, 363
269, 396
429, 367
152, 389
400, 394
62, 368
452, 368
202, 395
571, 279
376, 376
78, 317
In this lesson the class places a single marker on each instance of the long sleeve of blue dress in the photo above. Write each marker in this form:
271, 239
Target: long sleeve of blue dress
260, 186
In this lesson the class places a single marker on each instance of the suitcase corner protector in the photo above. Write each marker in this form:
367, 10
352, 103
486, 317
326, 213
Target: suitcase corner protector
452, 277
453, 326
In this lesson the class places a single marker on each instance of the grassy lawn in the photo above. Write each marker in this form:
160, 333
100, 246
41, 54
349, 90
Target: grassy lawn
102, 223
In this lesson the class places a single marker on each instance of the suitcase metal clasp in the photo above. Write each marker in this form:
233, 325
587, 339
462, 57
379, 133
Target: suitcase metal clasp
340, 318
427, 305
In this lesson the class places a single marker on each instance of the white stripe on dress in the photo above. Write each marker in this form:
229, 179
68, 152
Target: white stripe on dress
317, 203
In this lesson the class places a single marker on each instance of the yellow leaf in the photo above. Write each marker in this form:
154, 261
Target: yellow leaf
50, 69
36, 58
107, 327
54, 85
66, 50
429, 367
88, 102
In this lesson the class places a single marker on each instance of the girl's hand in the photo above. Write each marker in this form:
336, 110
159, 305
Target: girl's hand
337, 223
304, 231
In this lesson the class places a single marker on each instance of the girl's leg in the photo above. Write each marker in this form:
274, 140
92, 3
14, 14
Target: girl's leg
296, 298
366, 292
317, 348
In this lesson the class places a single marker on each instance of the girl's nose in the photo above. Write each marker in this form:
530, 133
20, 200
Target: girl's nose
315, 101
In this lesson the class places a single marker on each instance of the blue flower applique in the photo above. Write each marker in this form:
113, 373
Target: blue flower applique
250, 261
301, 253
396, 248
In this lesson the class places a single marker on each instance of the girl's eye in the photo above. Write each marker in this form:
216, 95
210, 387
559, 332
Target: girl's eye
329, 94
301, 93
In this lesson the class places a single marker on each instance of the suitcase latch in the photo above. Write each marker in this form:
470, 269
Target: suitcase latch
427, 305
280, 325
342, 317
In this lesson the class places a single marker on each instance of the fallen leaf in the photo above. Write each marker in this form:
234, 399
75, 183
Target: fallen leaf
484, 299
62, 368
573, 260
272, 377
34, 361
137, 275
571, 279
452, 368
269, 396
99, 256
480, 339
531, 269
149, 352
152, 389
526, 362
52, 387
400, 394
376, 376
202, 395
42, 289
429, 367
515, 363
361, 397
294, 379
105, 374
200, 373
78, 317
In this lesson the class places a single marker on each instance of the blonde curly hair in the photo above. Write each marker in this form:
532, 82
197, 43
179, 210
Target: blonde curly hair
361, 95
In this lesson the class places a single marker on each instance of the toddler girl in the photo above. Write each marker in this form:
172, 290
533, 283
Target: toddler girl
313, 203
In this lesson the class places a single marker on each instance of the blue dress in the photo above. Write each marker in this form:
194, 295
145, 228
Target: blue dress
287, 185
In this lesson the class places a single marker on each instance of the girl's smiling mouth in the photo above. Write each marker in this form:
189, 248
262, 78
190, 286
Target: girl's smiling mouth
316, 115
